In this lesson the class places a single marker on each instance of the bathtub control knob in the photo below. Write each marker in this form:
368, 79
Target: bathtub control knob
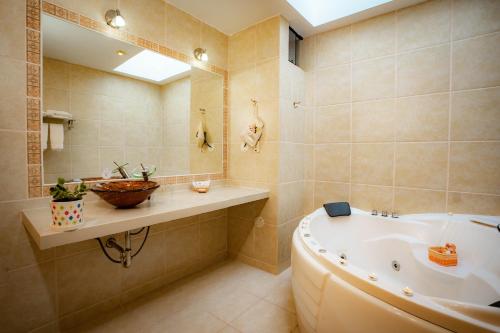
374, 212
384, 213
407, 291
373, 276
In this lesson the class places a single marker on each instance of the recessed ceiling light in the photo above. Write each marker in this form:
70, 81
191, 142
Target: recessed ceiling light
319, 12
121, 52
152, 66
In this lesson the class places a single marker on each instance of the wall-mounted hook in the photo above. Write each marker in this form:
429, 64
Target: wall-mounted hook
203, 111
254, 101
296, 104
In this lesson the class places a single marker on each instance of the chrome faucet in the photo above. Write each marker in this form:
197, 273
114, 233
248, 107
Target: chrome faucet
121, 169
384, 213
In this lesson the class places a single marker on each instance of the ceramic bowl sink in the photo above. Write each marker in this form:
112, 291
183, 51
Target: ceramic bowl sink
125, 194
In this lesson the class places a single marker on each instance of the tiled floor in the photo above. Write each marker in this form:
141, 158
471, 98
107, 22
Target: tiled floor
230, 297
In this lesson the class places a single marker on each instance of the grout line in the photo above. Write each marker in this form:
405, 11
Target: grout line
350, 115
450, 87
396, 92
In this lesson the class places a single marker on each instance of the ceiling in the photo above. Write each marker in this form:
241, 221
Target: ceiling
231, 16
70, 43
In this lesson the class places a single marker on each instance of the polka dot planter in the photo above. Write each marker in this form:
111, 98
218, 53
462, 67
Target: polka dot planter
67, 215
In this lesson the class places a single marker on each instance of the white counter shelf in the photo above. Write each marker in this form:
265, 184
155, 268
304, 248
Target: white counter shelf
102, 219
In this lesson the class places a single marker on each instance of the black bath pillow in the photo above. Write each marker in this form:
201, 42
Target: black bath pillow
337, 209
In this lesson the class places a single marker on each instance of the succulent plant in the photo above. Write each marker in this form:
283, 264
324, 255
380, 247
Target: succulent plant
60, 193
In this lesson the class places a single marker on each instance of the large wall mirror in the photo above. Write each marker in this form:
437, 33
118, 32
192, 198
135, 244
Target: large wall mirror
107, 101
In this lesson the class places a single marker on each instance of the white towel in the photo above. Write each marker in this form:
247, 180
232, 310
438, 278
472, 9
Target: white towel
45, 135
56, 133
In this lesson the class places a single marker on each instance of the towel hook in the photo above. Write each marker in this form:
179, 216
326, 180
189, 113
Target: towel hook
254, 101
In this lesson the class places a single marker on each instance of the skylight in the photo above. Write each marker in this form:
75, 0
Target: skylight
318, 12
152, 66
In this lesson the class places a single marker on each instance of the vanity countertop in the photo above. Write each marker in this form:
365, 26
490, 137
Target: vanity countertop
102, 219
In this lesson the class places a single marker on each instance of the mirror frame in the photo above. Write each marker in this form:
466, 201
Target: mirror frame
34, 9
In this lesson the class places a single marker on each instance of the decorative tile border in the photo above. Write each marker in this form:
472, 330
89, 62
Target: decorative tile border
34, 88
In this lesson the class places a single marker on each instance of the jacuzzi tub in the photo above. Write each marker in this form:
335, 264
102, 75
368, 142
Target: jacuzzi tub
364, 292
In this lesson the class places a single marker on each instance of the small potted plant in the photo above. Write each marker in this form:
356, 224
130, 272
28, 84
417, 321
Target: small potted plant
67, 206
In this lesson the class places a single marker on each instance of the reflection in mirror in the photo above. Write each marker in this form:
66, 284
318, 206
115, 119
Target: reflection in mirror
107, 101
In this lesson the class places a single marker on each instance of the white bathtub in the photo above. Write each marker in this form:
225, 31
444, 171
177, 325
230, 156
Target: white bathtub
336, 296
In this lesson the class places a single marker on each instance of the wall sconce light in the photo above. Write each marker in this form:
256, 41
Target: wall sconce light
114, 19
201, 54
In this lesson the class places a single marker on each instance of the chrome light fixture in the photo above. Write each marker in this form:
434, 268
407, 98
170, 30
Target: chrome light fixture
114, 19
201, 54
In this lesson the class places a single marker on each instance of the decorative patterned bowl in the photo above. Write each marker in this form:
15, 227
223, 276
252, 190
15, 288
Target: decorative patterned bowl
125, 194
66, 215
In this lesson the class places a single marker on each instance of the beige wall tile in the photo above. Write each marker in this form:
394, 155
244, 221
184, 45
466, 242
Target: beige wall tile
291, 201
241, 164
373, 79
468, 203
475, 62
177, 254
266, 162
333, 124
77, 288
369, 197
55, 99
213, 236
267, 38
307, 53
333, 47
240, 236
267, 79
308, 162
266, 243
332, 86
285, 234
372, 163
30, 292
292, 123
374, 37
331, 162
474, 167
242, 49
475, 115
422, 118
12, 29
308, 197
94, 9
411, 201
150, 264
330, 192
216, 44
373, 121
13, 163
422, 165
424, 25
12, 94
424, 71
183, 31
55, 74
291, 162
472, 18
